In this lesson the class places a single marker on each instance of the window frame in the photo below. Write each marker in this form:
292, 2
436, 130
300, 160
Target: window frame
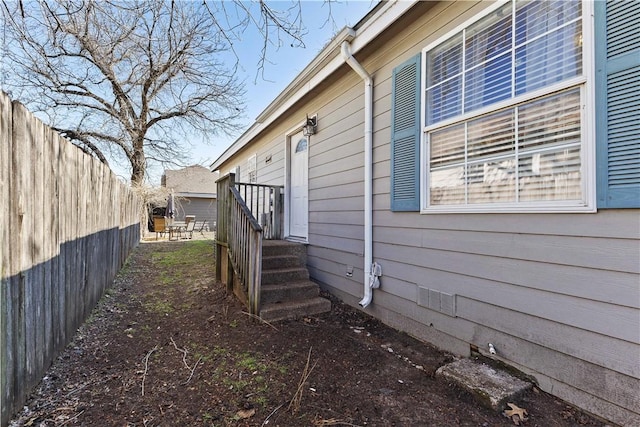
584, 82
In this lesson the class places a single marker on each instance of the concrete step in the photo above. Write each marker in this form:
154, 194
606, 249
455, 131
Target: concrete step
284, 275
273, 262
491, 387
282, 247
293, 309
283, 292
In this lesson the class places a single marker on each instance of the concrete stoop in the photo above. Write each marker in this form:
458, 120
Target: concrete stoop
292, 309
493, 388
286, 291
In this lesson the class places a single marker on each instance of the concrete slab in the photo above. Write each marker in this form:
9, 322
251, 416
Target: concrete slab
493, 388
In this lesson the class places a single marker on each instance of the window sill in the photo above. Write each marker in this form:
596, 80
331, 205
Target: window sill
525, 209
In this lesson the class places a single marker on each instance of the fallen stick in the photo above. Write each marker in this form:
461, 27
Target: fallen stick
146, 366
260, 319
333, 422
294, 405
266, 420
71, 419
184, 353
192, 371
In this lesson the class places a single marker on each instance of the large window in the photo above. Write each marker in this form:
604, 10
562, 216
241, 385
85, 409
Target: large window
504, 112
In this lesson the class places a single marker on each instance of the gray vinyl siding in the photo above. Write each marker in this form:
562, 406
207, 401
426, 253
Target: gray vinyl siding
203, 209
557, 294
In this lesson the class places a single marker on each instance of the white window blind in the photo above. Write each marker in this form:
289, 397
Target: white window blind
503, 109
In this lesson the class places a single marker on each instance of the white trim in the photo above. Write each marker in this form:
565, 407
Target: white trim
537, 207
297, 239
252, 167
587, 145
287, 179
379, 21
423, 149
494, 6
589, 137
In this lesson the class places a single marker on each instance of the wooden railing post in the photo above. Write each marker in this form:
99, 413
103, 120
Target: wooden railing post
277, 212
222, 224
255, 273
228, 212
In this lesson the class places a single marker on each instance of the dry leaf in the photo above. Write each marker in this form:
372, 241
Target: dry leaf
246, 413
516, 413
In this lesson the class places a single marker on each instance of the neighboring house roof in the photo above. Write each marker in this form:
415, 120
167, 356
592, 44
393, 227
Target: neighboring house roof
196, 181
323, 65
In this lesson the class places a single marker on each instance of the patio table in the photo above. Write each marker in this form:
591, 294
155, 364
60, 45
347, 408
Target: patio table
175, 230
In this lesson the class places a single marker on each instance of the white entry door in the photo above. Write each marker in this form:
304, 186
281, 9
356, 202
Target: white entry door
298, 186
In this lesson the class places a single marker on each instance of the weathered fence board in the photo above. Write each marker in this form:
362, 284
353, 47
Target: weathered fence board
67, 225
7, 344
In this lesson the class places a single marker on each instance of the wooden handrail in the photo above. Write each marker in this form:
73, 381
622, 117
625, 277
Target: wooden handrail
245, 245
245, 209
240, 234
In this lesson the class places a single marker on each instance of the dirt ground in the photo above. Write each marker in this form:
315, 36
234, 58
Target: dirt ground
167, 346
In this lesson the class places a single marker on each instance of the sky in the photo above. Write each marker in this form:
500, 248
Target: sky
283, 66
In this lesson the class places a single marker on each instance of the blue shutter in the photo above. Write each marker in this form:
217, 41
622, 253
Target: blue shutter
617, 35
405, 137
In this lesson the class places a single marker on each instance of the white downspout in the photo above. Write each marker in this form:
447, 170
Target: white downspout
369, 279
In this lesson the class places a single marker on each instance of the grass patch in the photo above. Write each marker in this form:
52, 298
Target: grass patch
246, 373
172, 267
192, 254
159, 306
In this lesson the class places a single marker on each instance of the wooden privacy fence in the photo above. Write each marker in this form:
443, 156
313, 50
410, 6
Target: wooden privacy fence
67, 225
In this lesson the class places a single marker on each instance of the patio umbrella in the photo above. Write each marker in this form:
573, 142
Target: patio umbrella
170, 206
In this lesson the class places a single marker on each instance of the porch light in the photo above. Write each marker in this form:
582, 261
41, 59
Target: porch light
310, 126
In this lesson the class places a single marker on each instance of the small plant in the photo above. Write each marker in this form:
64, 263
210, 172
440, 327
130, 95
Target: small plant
248, 362
160, 307
262, 401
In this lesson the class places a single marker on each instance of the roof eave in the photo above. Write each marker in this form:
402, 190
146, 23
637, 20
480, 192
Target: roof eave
320, 68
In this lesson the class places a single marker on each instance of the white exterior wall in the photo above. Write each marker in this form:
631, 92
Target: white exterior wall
558, 295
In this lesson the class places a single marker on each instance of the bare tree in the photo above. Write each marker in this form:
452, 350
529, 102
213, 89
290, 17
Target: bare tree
131, 78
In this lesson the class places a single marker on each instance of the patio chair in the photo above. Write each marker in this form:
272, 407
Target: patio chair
191, 225
159, 225
200, 226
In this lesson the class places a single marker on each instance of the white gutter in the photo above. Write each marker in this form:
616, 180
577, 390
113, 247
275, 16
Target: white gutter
202, 195
368, 175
